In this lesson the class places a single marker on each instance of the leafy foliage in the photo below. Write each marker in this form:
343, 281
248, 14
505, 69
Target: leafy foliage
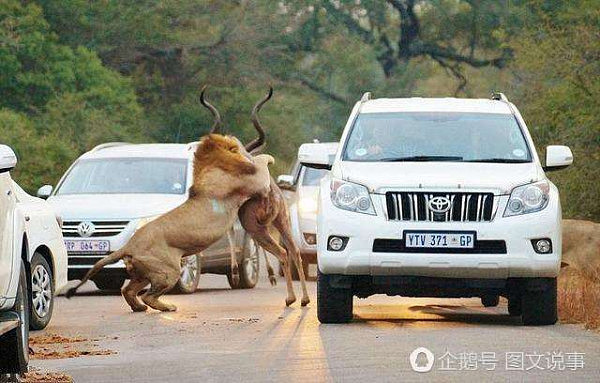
62, 98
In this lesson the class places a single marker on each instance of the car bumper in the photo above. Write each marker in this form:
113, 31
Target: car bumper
80, 263
519, 260
113, 272
304, 223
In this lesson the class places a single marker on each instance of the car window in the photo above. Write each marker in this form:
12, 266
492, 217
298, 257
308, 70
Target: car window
126, 175
450, 136
312, 177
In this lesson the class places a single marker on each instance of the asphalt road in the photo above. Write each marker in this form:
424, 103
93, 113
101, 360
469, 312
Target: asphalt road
233, 336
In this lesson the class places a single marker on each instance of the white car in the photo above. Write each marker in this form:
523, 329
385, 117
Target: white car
438, 197
116, 188
33, 266
301, 190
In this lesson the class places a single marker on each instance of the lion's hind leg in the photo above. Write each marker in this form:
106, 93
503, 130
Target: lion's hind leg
160, 284
131, 291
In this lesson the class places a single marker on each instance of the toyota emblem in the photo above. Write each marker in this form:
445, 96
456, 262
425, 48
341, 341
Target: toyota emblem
85, 229
439, 204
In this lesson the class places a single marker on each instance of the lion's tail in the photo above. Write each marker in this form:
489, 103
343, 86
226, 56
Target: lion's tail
109, 259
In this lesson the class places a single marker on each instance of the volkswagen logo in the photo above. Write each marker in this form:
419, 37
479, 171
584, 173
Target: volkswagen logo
439, 204
85, 229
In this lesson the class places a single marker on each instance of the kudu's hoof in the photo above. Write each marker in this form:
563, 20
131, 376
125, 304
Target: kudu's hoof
139, 309
305, 301
273, 280
289, 301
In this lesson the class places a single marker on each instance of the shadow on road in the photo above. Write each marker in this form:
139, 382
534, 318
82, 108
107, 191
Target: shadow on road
438, 313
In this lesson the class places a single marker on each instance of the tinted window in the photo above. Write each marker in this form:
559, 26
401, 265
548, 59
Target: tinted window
447, 136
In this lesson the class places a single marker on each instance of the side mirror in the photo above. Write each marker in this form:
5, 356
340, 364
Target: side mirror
314, 156
286, 182
44, 192
558, 157
8, 159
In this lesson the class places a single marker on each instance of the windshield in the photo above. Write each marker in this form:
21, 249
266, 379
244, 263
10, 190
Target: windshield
438, 136
312, 177
126, 175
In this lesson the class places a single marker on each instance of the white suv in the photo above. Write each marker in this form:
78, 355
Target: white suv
438, 198
33, 266
116, 188
301, 191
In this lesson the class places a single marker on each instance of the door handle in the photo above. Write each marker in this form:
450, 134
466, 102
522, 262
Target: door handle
8, 192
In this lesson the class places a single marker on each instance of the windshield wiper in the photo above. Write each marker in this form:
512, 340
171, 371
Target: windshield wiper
422, 158
501, 160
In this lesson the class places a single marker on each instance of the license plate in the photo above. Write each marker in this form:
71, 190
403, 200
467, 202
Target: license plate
87, 246
436, 240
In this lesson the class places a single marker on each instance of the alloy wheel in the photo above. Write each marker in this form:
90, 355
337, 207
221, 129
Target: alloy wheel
41, 291
189, 270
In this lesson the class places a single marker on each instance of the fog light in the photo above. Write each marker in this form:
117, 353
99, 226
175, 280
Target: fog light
542, 246
310, 238
336, 243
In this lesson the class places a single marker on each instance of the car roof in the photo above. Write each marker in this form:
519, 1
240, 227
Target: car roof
182, 151
447, 104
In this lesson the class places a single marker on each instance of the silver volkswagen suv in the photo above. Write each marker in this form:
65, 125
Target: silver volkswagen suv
111, 191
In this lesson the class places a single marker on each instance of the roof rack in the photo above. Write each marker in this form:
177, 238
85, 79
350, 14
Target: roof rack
365, 97
108, 145
499, 96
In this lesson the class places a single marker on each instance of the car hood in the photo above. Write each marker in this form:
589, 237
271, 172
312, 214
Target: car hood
114, 206
495, 177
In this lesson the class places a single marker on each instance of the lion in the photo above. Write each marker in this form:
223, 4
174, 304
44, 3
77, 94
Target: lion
225, 176
581, 247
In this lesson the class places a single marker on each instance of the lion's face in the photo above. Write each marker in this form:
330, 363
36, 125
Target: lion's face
225, 152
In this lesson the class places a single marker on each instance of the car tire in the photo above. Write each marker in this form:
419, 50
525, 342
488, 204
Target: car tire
41, 297
539, 302
14, 345
249, 266
514, 304
490, 300
191, 268
334, 305
109, 284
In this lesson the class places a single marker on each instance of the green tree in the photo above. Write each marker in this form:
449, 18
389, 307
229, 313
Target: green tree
56, 94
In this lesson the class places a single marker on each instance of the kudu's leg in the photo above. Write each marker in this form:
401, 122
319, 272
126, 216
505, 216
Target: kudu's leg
131, 291
282, 224
264, 238
235, 273
272, 278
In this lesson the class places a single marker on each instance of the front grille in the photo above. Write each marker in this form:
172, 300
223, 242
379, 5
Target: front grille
397, 246
464, 207
101, 228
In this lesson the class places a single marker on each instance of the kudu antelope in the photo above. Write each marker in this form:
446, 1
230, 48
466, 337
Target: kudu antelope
262, 215
225, 176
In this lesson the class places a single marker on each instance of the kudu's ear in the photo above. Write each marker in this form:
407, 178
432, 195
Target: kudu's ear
257, 144
216, 128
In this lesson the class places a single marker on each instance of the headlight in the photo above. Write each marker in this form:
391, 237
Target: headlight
528, 199
143, 221
351, 196
307, 205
